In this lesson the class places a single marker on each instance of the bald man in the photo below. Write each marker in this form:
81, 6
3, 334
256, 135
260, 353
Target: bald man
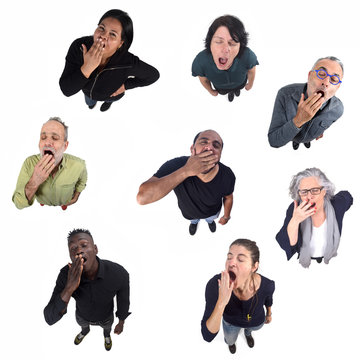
200, 181
52, 177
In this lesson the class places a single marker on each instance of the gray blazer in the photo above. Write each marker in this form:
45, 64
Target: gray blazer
282, 128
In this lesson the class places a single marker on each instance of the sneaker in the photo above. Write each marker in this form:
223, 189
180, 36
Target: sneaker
231, 96
250, 340
107, 343
308, 144
105, 106
212, 226
192, 229
64, 207
79, 338
232, 348
295, 145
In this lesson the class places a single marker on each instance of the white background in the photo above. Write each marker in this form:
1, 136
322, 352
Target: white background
315, 311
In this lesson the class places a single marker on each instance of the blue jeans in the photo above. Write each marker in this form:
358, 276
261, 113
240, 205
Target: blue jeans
231, 332
92, 102
209, 220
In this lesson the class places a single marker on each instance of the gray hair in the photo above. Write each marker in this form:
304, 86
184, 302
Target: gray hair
56, 118
311, 172
332, 58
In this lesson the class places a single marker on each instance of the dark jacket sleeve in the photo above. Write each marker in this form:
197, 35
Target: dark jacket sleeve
341, 202
283, 239
142, 74
282, 129
56, 307
123, 297
72, 79
211, 296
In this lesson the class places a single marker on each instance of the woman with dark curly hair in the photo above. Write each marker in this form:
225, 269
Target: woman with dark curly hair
226, 63
238, 296
101, 66
313, 222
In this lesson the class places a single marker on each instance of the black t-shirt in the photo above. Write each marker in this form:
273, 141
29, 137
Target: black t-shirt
197, 199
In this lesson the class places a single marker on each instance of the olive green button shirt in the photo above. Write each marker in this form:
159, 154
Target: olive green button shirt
70, 177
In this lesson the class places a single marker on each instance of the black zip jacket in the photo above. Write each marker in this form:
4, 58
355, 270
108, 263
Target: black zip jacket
122, 68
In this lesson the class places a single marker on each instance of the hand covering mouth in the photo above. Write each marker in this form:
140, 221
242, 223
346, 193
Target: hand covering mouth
312, 206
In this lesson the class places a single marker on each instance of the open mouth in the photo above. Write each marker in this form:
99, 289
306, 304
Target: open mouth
223, 61
312, 205
232, 276
48, 152
321, 93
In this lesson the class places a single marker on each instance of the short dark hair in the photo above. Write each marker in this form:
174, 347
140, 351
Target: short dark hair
197, 135
127, 33
236, 29
251, 247
79, 231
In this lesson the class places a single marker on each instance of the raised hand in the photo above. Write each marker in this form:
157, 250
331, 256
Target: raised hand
307, 108
92, 57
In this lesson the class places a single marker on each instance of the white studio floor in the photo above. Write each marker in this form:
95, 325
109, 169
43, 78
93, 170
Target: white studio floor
315, 311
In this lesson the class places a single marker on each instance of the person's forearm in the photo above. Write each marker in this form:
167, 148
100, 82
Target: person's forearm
251, 77
268, 311
214, 321
156, 188
293, 231
66, 295
205, 82
228, 203
30, 189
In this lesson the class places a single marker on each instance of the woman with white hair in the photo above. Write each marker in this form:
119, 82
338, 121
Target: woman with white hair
313, 222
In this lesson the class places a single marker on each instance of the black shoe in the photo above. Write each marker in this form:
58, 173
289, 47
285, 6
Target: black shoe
295, 145
231, 96
250, 341
237, 92
308, 144
105, 106
212, 226
192, 229
79, 338
91, 106
232, 348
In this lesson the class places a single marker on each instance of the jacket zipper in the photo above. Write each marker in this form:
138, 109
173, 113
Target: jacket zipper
113, 68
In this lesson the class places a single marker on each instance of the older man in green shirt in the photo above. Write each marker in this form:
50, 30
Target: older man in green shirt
52, 177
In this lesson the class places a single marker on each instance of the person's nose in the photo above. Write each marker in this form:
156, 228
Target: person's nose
326, 81
309, 196
226, 48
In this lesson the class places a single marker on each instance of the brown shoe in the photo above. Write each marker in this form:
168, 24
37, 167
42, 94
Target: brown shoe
232, 348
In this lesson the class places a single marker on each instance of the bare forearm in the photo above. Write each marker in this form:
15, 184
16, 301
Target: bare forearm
30, 189
251, 76
205, 82
214, 321
228, 203
156, 188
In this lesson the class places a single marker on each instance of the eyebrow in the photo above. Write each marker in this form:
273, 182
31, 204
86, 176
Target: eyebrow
229, 253
324, 68
214, 141
51, 133
102, 24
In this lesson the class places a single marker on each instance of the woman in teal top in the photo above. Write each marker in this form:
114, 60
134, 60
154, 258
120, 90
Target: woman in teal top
226, 64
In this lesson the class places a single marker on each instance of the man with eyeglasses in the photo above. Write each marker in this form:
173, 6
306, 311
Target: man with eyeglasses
302, 112
201, 182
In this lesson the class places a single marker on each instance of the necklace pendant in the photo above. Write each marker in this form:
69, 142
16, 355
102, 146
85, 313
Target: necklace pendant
248, 317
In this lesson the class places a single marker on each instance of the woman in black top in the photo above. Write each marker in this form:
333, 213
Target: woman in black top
238, 296
101, 66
